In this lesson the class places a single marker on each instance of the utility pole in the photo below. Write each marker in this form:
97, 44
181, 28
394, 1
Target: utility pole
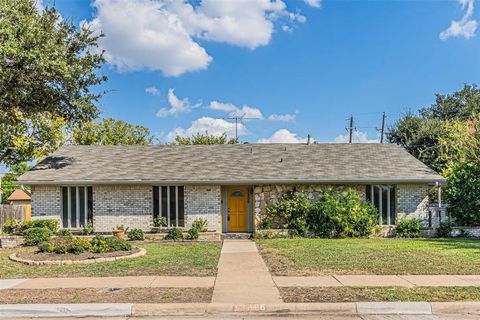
383, 127
350, 130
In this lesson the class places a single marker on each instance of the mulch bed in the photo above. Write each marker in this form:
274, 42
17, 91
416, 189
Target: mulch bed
107, 295
50, 256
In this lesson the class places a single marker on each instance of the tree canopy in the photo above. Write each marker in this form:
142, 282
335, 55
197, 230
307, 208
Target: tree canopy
205, 138
8, 186
111, 132
48, 68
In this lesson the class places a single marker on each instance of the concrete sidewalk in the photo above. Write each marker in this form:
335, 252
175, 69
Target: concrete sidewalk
242, 276
109, 282
408, 281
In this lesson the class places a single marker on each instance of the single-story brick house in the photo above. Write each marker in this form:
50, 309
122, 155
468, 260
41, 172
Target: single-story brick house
229, 185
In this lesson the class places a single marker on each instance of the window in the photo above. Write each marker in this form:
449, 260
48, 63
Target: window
77, 206
168, 202
383, 198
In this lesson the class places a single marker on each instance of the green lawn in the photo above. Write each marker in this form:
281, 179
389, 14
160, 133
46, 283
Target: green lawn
356, 294
180, 259
370, 256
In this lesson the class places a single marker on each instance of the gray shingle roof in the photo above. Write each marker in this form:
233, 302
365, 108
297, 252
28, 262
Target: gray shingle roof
241, 163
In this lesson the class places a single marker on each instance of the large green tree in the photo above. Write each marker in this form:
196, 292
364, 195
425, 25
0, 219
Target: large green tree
205, 138
420, 134
111, 132
8, 186
48, 68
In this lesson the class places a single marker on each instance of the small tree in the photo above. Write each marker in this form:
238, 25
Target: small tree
205, 138
111, 132
292, 210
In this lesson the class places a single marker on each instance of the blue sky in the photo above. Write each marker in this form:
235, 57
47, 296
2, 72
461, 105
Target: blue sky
303, 67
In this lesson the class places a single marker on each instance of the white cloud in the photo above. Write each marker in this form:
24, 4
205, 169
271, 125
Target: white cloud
176, 105
234, 111
314, 3
153, 91
162, 34
465, 27
283, 117
357, 136
210, 125
284, 136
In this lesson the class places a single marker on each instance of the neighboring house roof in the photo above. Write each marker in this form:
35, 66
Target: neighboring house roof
231, 164
20, 195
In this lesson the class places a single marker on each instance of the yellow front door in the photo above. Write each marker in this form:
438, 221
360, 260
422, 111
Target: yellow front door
237, 199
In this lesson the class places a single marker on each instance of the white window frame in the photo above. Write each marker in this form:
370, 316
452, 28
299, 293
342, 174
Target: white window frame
380, 202
169, 222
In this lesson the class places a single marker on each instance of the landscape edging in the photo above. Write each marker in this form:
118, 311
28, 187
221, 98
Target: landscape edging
14, 257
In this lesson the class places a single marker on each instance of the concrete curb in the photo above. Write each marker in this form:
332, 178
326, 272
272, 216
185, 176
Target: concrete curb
65, 310
200, 309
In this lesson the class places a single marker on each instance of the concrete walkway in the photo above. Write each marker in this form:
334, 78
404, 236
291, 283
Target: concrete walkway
242, 276
408, 281
110, 282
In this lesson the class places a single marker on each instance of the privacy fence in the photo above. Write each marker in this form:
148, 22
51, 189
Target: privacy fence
8, 211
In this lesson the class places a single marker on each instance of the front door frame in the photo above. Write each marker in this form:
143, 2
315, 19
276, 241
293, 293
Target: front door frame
225, 208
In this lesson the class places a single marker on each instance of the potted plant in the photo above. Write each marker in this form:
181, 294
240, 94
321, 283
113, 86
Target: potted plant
120, 231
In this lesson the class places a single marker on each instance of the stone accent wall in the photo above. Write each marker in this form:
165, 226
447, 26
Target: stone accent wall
130, 205
412, 202
46, 203
266, 195
203, 202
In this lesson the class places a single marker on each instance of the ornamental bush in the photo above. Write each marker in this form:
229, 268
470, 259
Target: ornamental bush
292, 210
192, 234
118, 244
65, 233
340, 215
444, 230
174, 234
136, 235
99, 244
51, 224
159, 222
200, 224
34, 236
14, 226
79, 245
408, 228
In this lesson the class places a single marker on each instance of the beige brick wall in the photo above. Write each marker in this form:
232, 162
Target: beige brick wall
412, 202
203, 202
46, 203
130, 205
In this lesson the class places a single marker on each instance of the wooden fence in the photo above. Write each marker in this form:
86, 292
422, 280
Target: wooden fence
8, 211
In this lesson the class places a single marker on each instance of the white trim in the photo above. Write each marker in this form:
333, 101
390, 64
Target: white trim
388, 206
85, 209
380, 203
160, 201
176, 206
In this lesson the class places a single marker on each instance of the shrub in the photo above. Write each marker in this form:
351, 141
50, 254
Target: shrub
340, 215
192, 234
79, 245
14, 226
51, 224
99, 244
445, 228
34, 236
117, 244
88, 229
462, 233
60, 244
65, 233
46, 247
174, 234
200, 224
266, 223
292, 210
463, 193
159, 222
136, 234
408, 228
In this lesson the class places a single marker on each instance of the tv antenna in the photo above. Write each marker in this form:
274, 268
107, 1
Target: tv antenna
237, 120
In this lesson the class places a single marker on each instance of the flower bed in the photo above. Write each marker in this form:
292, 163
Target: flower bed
47, 258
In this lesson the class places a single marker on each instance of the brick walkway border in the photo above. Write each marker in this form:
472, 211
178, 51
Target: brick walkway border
139, 253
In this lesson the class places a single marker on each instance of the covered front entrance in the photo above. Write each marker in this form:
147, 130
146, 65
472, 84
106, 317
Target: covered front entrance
236, 209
